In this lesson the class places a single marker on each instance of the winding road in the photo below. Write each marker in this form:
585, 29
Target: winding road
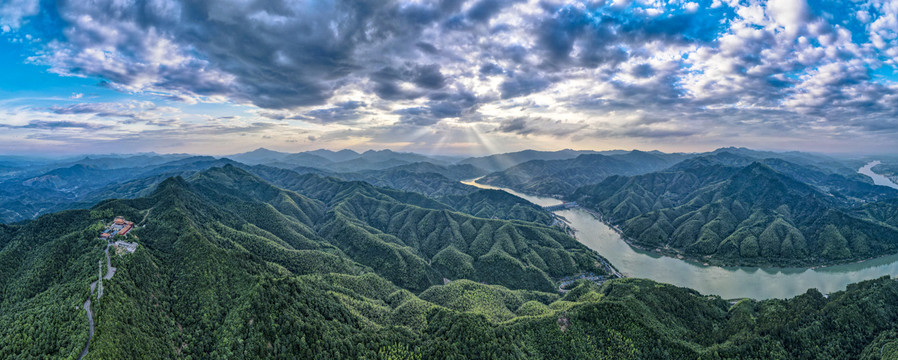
110, 271
90, 334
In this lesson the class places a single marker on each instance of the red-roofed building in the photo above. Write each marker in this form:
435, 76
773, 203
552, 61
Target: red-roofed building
124, 231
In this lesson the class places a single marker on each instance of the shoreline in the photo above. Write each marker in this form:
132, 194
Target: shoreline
671, 253
712, 262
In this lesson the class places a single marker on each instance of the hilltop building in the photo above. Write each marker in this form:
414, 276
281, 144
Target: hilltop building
119, 226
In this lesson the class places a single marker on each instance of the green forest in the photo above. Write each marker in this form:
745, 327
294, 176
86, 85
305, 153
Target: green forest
731, 210
232, 266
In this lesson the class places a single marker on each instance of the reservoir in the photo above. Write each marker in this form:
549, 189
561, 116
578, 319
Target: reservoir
727, 282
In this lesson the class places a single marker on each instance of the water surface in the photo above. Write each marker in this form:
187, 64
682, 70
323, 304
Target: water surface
877, 179
538, 200
728, 282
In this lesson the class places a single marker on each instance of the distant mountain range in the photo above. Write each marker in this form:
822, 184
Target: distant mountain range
500, 162
36, 191
560, 177
728, 206
337, 161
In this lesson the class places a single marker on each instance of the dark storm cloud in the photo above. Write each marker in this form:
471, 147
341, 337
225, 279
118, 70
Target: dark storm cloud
483, 10
491, 69
419, 116
604, 34
275, 54
387, 81
427, 47
429, 77
345, 112
522, 84
441, 105
539, 126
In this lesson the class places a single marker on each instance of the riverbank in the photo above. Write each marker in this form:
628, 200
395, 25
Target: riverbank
878, 179
711, 261
727, 282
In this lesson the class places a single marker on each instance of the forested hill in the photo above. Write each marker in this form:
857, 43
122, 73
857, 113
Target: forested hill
473, 201
425, 178
207, 241
728, 209
35, 191
419, 241
190, 292
499, 162
231, 266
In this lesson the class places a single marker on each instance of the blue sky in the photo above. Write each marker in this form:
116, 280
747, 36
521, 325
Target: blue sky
454, 76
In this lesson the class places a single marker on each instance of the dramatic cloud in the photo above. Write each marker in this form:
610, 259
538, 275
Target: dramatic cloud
665, 71
539, 126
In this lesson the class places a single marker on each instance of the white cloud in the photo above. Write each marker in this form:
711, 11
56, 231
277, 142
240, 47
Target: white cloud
417, 66
13, 12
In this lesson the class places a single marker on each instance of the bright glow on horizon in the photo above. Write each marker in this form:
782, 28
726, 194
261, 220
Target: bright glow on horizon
462, 80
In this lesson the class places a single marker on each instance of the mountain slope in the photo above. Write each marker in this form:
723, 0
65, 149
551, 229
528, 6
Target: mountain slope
215, 276
425, 178
415, 242
499, 162
739, 215
79, 186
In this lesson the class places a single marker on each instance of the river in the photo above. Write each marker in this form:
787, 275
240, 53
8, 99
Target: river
538, 200
877, 179
728, 282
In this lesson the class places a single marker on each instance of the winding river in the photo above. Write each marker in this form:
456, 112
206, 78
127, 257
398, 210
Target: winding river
728, 282
877, 179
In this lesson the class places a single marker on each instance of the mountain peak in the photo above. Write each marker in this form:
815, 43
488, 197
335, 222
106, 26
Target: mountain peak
174, 183
384, 151
263, 150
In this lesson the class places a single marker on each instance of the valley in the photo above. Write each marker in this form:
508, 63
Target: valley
448, 180
728, 282
300, 262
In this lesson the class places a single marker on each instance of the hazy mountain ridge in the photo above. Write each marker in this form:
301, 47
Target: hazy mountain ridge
561, 177
500, 162
335, 161
81, 186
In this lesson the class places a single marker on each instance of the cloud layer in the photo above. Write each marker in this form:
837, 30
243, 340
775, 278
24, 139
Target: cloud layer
648, 71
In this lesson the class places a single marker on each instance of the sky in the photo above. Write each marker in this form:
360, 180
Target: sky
447, 77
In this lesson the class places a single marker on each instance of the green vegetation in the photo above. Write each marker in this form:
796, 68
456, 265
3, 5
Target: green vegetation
230, 266
716, 209
89, 181
499, 204
888, 168
498, 162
